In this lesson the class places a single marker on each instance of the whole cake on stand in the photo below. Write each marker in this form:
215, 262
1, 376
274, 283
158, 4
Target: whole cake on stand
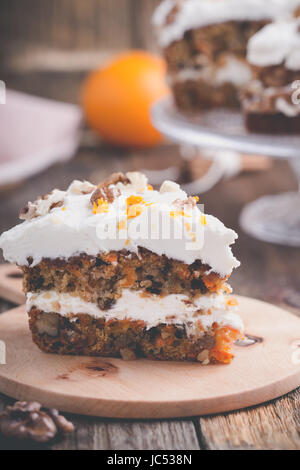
205, 43
234, 69
271, 101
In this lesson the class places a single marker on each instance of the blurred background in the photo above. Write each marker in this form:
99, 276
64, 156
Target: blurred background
48, 46
48, 49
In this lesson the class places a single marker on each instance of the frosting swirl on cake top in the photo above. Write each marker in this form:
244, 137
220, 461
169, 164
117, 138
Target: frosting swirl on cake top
277, 43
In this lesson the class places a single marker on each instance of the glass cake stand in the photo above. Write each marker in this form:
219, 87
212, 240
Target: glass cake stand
273, 219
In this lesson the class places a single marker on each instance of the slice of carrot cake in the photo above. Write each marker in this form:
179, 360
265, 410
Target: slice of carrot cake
122, 270
204, 43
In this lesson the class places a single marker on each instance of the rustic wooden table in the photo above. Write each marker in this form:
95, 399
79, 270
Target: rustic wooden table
45, 53
268, 272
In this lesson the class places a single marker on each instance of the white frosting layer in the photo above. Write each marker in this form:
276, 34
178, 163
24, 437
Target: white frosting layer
153, 310
197, 13
233, 71
277, 43
74, 228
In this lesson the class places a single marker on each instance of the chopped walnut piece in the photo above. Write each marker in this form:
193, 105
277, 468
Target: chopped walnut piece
28, 211
27, 420
43, 205
107, 190
138, 181
47, 324
189, 203
81, 187
169, 187
171, 17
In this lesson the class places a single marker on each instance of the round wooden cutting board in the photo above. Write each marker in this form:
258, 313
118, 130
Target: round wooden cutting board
146, 389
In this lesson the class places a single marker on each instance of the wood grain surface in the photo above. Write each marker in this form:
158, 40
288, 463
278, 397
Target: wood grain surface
35, 32
42, 41
11, 278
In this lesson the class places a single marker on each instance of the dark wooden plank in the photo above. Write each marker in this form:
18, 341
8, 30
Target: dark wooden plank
47, 47
97, 434
74, 25
4, 306
142, 30
275, 426
4, 401
67, 24
93, 434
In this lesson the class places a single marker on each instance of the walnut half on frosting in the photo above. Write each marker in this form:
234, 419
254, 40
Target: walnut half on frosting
113, 186
107, 190
188, 203
42, 205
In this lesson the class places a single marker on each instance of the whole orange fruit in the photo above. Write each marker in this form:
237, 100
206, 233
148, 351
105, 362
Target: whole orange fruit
117, 98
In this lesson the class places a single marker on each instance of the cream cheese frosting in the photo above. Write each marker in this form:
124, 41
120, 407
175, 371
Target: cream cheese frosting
153, 310
198, 13
277, 43
162, 221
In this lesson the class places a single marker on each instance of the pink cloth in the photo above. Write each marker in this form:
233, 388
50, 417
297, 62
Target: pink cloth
35, 133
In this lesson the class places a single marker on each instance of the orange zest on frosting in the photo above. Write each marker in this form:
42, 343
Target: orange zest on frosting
134, 211
122, 225
134, 206
149, 187
100, 206
202, 219
134, 200
193, 236
174, 214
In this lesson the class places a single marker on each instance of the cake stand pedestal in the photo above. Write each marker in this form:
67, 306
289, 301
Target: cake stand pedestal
274, 219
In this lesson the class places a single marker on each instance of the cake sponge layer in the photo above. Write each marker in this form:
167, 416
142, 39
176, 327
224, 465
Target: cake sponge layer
170, 327
84, 335
102, 279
